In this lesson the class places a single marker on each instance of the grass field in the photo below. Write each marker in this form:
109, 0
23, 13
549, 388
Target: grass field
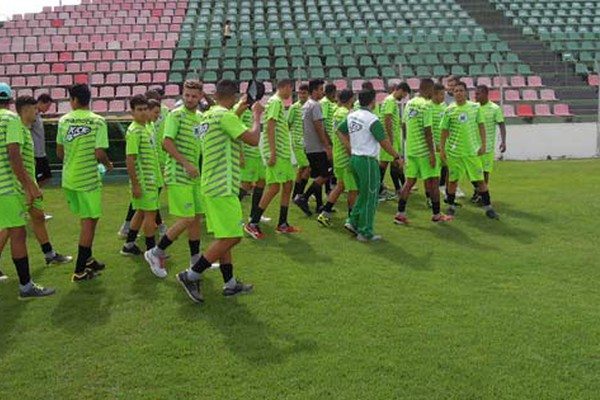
475, 309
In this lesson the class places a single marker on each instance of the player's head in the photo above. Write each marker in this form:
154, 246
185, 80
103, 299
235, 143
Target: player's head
153, 94
439, 92
460, 92
285, 88
482, 94
26, 108
192, 94
139, 108
451, 83
153, 110
5, 95
366, 98
315, 88
44, 102
80, 96
303, 93
367, 85
330, 91
346, 98
426, 87
401, 90
227, 93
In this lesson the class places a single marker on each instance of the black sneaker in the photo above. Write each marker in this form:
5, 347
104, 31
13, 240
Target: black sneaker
192, 288
36, 291
302, 203
58, 259
451, 211
94, 265
3, 276
476, 198
87, 275
132, 251
491, 214
239, 287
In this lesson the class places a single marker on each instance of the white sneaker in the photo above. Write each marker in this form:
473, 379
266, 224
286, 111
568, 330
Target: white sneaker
162, 230
2, 276
157, 264
362, 238
459, 193
265, 219
47, 217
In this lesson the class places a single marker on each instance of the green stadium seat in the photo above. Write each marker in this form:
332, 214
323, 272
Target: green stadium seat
245, 75
353, 73
282, 74
263, 75
212, 64
175, 77
209, 76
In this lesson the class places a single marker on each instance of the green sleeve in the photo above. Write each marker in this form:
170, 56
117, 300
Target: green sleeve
273, 110
480, 117
378, 131
291, 115
132, 143
14, 132
102, 135
59, 133
388, 107
171, 126
499, 115
428, 117
343, 127
232, 125
445, 124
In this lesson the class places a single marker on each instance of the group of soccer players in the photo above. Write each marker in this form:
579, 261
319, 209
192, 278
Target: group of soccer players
209, 160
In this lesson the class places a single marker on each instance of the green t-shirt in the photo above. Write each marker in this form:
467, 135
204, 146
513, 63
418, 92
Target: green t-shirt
18, 133
376, 109
275, 110
328, 108
462, 123
390, 107
341, 159
248, 120
221, 149
140, 142
437, 112
7, 184
493, 115
296, 126
160, 132
81, 132
183, 127
417, 117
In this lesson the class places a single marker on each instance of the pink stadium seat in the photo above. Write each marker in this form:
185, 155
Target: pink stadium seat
472, 96
468, 81
65, 80
34, 81
210, 88
123, 91
524, 110
378, 84
144, 77
530, 95
243, 87
64, 107
43, 69
28, 69
381, 97
119, 66
534, 81
18, 81
413, 83
13, 69
107, 92
128, 78
268, 87
97, 79
593, 80
160, 77
340, 84
80, 78
498, 81
357, 85
548, 95
173, 90
99, 106
495, 96
562, 110
542, 110
163, 65
50, 81
138, 89
512, 95
58, 68
58, 93
73, 68
116, 106
113, 79
484, 80
517, 81
148, 66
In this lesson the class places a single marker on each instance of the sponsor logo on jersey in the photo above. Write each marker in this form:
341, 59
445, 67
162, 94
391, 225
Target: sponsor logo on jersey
463, 118
76, 131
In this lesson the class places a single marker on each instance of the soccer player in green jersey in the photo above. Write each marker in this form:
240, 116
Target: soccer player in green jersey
222, 134
182, 143
438, 106
390, 115
493, 115
144, 176
420, 154
363, 133
277, 155
18, 190
329, 105
296, 126
341, 162
462, 121
82, 140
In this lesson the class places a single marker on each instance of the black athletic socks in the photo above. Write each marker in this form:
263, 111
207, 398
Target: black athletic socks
201, 265
328, 207
194, 247
164, 242
255, 217
132, 235
485, 197
150, 242
242, 194
130, 213
22, 266
46, 248
256, 196
226, 271
401, 206
435, 207
299, 187
283, 214
396, 174
83, 255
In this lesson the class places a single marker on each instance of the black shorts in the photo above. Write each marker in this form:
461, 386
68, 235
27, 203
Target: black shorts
42, 169
319, 165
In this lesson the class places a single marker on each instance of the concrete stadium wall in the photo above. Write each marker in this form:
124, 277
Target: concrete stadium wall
563, 140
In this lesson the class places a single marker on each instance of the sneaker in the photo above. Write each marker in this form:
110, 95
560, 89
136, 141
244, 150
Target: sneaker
401, 220
442, 218
123, 232
36, 291
451, 211
162, 230
265, 219
47, 217
87, 275
302, 204
132, 251
476, 198
254, 231
58, 259
373, 238
94, 265
157, 264
324, 220
192, 288
286, 229
390, 196
350, 228
3, 276
459, 193
491, 214
239, 287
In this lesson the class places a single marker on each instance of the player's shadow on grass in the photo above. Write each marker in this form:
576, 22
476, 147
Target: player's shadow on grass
296, 247
11, 310
500, 228
144, 283
507, 210
246, 336
392, 250
85, 306
451, 232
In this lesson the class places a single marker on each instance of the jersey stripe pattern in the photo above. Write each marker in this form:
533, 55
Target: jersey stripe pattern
7, 185
275, 109
296, 126
183, 127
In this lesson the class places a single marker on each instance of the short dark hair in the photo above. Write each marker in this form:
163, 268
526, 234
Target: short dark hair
404, 86
303, 86
461, 83
345, 95
23, 101
45, 98
82, 93
366, 97
483, 88
426, 83
138, 100
367, 85
285, 82
153, 94
153, 103
226, 88
438, 87
330, 89
192, 84
314, 84
453, 78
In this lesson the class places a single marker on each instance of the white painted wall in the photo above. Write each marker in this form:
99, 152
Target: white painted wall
538, 141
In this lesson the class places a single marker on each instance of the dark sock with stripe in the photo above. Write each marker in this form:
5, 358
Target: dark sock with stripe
150, 242
283, 215
243, 193
46, 248
299, 187
22, 266
451, 198
164, 242
328, 207
132, 235
319, 197
194, 247
159, 220
255, 218
485, 197
395, 173
402, 206
130, 213
256, 196
83, 255
312, 190
227, 272
201, 265
435, 207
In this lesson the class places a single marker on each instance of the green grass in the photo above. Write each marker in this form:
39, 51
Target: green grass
475, 309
